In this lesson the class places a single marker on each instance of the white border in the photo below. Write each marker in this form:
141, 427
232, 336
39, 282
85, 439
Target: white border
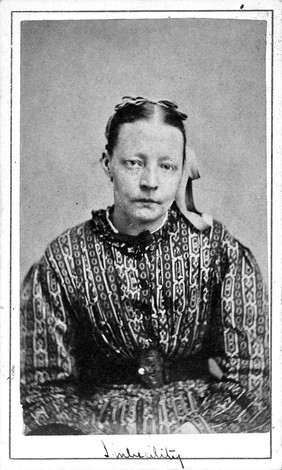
204, 446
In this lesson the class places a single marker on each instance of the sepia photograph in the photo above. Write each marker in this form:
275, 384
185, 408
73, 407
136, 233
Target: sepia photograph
142, 208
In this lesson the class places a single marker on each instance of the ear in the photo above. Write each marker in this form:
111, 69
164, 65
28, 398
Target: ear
105, 160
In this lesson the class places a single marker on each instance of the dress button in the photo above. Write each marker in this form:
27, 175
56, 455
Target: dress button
144, 284
141, 371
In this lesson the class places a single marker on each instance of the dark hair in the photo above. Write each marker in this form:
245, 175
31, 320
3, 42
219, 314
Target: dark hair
138, 109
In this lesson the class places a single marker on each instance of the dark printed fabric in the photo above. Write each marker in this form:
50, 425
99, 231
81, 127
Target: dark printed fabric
102, 309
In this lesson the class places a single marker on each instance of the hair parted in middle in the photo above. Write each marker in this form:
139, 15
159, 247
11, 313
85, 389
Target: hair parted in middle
138, 109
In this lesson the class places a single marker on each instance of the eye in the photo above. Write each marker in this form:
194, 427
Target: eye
133, 163
168, 167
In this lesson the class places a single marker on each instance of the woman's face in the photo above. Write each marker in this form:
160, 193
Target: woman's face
146, 168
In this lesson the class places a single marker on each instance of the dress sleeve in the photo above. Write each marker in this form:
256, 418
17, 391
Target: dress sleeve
49, 397
239, 400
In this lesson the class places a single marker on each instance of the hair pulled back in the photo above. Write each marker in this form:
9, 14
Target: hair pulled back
142, 109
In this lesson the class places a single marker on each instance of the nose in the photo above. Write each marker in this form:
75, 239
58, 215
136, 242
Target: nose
149, 178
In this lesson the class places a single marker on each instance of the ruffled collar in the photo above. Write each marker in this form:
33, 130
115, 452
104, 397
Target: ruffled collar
134, 245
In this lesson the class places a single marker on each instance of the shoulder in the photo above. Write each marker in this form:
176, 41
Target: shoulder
233, 254
224, 245
224, 237
74, 238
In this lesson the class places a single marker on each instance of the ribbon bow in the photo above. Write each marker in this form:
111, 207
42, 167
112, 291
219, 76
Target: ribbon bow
139, 100
130, 100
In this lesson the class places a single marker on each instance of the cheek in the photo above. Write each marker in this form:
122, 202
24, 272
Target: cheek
125, 184
171, 184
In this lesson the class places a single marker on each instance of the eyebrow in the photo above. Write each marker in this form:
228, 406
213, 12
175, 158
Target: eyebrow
143, 156
166, 157
162, 158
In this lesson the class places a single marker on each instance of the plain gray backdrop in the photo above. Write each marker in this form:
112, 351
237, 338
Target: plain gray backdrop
74, 72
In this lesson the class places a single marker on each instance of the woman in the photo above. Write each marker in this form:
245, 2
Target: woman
148, 318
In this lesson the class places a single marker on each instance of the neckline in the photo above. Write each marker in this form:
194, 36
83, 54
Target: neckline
134, 245
115, 230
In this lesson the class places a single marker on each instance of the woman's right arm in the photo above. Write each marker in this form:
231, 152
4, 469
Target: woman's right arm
49, 393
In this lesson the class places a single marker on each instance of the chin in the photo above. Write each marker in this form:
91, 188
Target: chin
149, 215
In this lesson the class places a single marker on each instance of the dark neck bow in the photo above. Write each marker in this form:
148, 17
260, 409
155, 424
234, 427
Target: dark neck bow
144, 238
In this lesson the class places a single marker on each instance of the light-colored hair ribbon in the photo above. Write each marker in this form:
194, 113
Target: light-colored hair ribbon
184, 197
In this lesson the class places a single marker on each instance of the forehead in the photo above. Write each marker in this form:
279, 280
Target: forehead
153, 135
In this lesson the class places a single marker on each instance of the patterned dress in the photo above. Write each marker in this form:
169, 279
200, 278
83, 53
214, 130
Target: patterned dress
138, 335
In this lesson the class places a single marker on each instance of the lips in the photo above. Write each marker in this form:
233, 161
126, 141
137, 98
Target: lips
147, 201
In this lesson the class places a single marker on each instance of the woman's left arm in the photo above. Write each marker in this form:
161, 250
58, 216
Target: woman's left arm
239, 400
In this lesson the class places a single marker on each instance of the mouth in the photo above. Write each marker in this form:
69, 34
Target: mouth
147, 201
